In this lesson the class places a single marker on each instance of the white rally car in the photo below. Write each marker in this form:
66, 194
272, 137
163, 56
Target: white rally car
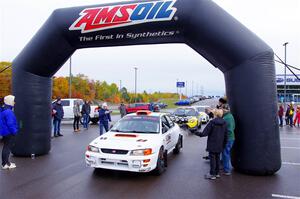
139, 142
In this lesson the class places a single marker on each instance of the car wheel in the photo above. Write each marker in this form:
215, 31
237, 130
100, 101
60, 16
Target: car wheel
199, 125
161, 162
94, 120
179, 145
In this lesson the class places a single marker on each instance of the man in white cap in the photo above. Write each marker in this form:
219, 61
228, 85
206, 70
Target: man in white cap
8, 129
104, 118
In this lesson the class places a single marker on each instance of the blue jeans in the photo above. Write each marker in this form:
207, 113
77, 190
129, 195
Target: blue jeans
56, 125
291, 121
280, 121
86, 118
104, 125
226, 156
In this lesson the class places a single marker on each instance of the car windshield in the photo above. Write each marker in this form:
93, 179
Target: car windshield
137, 124
201, 109
185, 112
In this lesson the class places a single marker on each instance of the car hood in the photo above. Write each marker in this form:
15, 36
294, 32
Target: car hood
126, 141
202, 114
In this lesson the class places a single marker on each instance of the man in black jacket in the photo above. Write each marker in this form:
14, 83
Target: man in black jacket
216, 130
58, 115
85, 111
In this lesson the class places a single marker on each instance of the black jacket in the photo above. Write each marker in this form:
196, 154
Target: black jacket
59, 111
86, 109
216, 130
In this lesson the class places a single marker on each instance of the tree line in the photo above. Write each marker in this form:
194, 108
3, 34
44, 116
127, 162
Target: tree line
85, 88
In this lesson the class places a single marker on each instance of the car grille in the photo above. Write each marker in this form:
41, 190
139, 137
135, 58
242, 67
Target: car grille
115, 163
114, 151
181, 120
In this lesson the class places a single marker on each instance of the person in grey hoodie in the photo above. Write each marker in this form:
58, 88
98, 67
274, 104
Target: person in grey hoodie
122, 109
77, 115
216, 130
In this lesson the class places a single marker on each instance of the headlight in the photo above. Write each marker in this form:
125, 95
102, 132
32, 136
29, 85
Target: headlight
141, 152
93, 149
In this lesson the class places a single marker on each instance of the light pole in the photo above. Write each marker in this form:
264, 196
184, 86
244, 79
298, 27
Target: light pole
192, 88
70, 79
284, 97
177, 86
135, 83
186, 92
120, 85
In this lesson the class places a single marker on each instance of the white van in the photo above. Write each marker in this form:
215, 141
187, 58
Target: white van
68, 104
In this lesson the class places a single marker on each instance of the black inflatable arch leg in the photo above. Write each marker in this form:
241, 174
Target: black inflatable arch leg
251, 99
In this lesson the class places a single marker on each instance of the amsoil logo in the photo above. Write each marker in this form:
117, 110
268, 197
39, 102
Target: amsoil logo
101, 18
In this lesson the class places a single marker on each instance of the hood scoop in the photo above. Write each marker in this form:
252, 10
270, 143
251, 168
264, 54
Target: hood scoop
126, 135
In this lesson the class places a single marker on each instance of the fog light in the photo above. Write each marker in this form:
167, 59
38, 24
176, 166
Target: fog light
146, 161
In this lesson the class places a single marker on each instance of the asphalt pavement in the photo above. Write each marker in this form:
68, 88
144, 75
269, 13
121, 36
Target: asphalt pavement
62, 174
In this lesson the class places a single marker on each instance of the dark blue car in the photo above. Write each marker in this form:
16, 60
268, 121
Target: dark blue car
184, 102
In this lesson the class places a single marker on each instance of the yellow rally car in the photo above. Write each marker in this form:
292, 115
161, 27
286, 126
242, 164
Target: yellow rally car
187, 117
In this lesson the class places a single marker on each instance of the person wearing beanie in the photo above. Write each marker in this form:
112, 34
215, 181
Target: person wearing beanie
104, 118
8, 129
58, 115
222, 102
216, 132
226, 154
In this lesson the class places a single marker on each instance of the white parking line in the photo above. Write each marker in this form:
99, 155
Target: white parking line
284, 196
286, 147
291, 163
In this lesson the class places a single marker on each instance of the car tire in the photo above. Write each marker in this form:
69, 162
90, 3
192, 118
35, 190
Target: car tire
199, 125
178, 146
161, 162
94, 120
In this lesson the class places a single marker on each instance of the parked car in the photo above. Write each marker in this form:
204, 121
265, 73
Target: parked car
184, 102
132, 108
161, 105
68, 105
203, 114
187, 117
139, 142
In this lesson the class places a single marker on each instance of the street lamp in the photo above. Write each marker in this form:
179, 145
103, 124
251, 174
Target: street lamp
70, 79
135, 82
284, 97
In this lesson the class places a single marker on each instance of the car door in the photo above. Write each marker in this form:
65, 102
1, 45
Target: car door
173, 131
68, 108
167, 133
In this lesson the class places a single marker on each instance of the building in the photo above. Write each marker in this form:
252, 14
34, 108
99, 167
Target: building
292, 88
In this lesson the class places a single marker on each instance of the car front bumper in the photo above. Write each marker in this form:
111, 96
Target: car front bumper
121, 162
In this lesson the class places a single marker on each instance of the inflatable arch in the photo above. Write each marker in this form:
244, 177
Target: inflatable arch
246, 61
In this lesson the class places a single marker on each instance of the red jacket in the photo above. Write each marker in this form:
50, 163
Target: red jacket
281, 111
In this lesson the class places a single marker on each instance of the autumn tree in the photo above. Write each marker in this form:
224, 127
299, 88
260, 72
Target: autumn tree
5, 79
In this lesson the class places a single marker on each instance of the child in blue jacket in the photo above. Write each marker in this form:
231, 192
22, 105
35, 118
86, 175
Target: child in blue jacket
8, 129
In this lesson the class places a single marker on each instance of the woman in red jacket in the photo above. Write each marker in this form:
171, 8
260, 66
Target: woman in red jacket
297, 116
